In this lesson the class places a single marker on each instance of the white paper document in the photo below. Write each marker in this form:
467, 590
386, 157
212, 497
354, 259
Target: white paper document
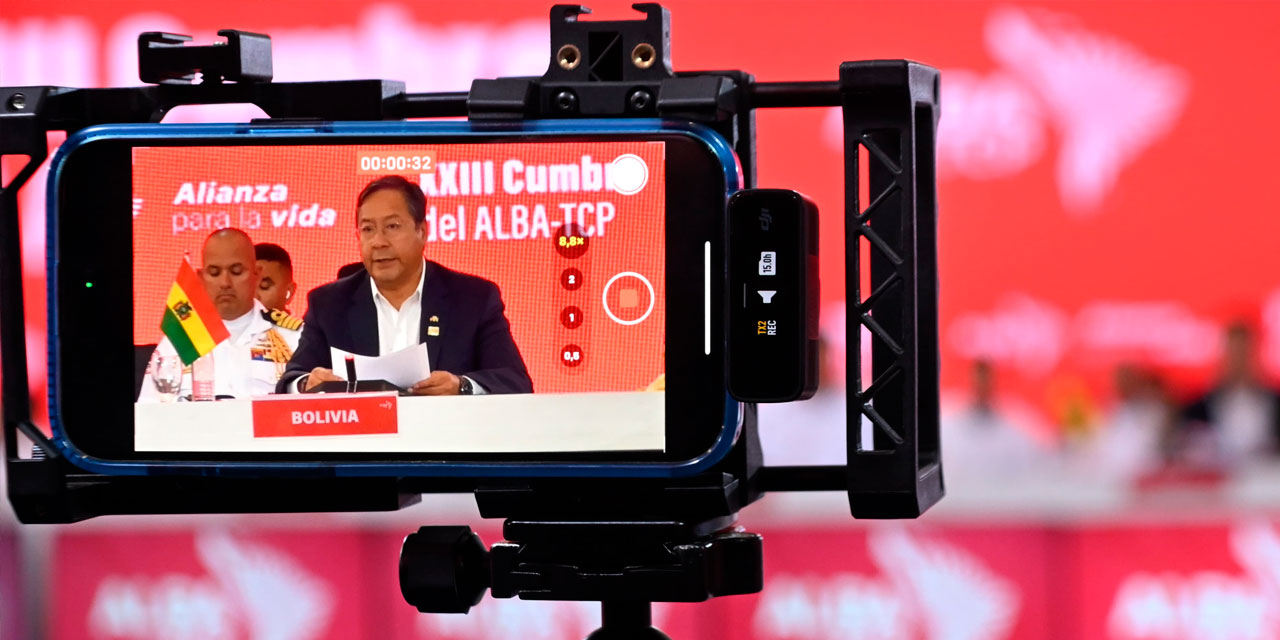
402, 368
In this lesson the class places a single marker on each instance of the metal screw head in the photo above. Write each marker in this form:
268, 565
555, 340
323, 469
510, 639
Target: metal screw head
643, 55
569, 57
565, 101
639, 100
17, 102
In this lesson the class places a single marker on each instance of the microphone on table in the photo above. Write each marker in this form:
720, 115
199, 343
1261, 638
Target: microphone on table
351, 374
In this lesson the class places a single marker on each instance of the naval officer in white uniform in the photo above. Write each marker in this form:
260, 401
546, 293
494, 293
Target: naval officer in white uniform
262, 340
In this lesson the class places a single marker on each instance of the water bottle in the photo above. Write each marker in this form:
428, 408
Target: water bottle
202, 378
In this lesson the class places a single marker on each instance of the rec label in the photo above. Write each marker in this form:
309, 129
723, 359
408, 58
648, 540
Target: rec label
329, 414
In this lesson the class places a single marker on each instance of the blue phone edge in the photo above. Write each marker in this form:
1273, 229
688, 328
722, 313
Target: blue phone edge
733, 413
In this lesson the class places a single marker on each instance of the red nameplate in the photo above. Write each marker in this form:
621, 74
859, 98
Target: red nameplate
326, 414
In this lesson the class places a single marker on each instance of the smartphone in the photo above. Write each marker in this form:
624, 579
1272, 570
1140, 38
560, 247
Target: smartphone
601, 242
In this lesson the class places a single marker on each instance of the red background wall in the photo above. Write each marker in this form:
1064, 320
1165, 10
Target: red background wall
1102, 168
882, 582
326, 181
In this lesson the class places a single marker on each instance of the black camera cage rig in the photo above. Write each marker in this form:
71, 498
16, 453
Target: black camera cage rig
599, 69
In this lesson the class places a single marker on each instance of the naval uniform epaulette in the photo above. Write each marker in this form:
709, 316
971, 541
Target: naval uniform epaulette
282, 319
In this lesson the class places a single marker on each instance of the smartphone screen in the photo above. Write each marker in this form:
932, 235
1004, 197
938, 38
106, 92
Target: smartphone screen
570, 234
553, 262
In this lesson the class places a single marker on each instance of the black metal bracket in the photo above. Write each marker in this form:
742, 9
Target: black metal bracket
622, 70
597, 69
244, 57
633, 560
891, 111
446, 569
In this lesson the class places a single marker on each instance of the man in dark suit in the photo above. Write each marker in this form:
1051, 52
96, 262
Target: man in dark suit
400, 299
1238, 421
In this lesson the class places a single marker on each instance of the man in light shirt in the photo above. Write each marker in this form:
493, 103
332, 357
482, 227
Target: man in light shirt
982, 443
401, 299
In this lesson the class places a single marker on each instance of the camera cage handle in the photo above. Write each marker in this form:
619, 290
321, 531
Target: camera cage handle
890, 109
890, 114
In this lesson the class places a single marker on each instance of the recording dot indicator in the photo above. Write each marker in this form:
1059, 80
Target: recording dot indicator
571, 279
88, 285
571, 317
628, 298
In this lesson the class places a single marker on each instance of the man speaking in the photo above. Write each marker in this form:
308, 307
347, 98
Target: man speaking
400, 299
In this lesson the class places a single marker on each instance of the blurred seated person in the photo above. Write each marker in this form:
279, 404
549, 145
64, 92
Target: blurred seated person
276, 288
1131, 441
1238, 420
981, 440
812, 431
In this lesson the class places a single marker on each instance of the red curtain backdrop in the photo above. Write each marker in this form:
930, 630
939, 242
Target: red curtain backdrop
1102, 166
304, 199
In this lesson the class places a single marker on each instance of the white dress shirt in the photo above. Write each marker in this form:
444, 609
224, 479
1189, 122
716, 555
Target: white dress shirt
399, 328
1243, 417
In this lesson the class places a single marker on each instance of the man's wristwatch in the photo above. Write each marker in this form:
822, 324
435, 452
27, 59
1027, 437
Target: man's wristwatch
464, 386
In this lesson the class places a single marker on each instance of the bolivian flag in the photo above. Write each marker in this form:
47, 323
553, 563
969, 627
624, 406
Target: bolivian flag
191, 322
